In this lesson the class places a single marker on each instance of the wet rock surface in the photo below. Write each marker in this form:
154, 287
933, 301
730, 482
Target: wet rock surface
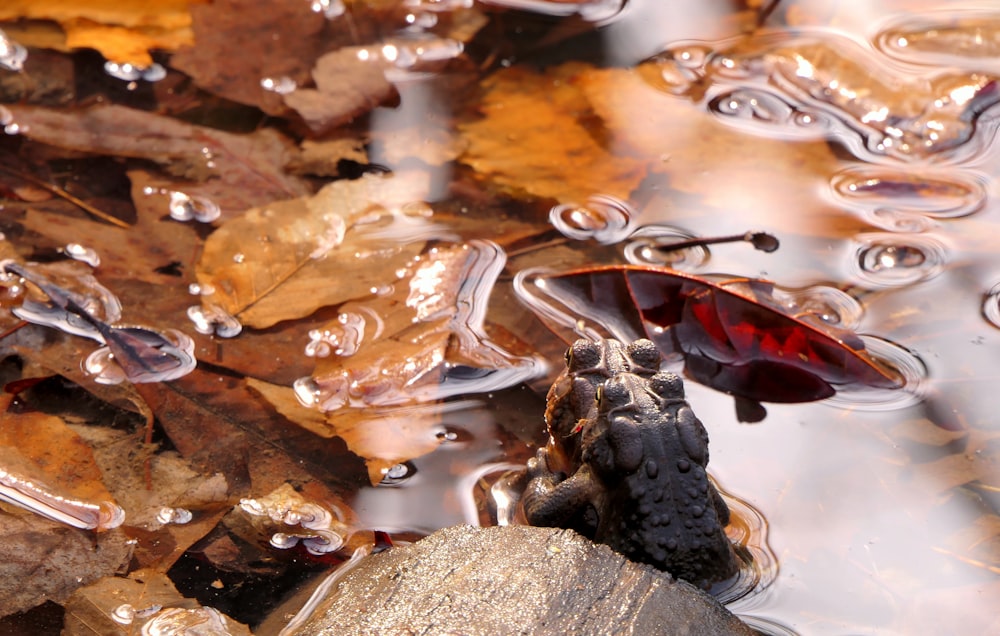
513, 580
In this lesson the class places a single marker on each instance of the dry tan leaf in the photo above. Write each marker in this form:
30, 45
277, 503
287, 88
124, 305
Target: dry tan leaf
536, 135
287, 259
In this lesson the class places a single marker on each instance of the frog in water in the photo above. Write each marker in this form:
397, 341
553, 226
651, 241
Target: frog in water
625, 464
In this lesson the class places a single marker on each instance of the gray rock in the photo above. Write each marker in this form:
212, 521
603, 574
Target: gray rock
513, 580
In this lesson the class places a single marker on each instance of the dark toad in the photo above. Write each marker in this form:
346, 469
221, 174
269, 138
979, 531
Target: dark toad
625, 464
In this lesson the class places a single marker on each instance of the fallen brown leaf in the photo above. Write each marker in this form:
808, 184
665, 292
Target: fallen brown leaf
232, 170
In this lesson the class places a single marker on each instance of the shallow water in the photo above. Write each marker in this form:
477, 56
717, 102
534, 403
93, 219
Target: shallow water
881, 509
864, 138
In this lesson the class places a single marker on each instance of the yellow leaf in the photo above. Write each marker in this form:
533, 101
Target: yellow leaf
121, 30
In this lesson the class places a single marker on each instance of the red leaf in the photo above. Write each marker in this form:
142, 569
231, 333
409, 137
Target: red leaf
734, 335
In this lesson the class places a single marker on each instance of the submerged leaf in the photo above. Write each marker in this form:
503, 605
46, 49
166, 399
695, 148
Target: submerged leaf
535, 136
234, 171
424, 341
146, 602
384, 437
40, 447
347, 85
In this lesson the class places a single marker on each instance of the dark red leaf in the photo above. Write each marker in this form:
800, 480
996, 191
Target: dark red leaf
734, 335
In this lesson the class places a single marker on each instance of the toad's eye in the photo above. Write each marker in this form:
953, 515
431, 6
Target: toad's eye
599, 394
569, 356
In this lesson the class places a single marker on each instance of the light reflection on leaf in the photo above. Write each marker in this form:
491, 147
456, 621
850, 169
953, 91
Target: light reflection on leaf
287, 259
424, 341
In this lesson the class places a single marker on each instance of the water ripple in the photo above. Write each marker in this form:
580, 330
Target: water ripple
966, 38
896, 199
909, 366
894, 260
806, 86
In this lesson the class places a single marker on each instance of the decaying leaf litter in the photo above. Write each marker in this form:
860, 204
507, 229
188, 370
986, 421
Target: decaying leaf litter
234, 226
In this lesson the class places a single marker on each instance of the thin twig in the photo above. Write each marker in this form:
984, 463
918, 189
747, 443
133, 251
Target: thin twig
59, 192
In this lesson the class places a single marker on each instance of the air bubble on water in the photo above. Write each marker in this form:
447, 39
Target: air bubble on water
820, 304
398, 474
179, 516
281, 85
185, 207
343, 339
329, 8
175, 620
604, 219
83, 254
307, 391
164, 356
442, 6
436, 49
12, 55
214, 320
924, 40
446, 436
762, 110
7, 121
991, 306
209, 157
198, 289
102, 366
589, 10
128, 72
154, 72
124, 614
901, 221
895, 260
939, 194
650, 245
421, 20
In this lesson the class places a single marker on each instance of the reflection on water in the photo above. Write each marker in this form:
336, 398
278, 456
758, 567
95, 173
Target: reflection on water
863, 135
876, 177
